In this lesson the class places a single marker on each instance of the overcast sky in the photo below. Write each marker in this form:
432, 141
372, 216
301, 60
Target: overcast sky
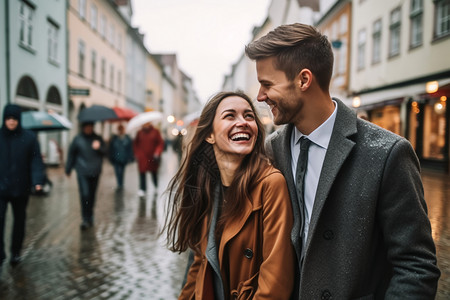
208, 36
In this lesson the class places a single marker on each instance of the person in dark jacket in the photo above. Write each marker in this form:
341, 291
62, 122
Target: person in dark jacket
86, 155
120, 153
21, 168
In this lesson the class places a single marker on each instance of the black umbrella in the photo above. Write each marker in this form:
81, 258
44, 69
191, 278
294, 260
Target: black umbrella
96, 113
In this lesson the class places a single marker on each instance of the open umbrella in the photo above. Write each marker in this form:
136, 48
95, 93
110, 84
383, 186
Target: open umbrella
124, 113
96, 113
142, 118
44, 121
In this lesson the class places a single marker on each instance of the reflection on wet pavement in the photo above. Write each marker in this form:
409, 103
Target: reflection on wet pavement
121, 257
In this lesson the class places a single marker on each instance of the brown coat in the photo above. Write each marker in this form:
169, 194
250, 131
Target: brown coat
260, 256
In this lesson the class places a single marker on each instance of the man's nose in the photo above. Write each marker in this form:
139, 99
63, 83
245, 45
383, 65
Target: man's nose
261, 95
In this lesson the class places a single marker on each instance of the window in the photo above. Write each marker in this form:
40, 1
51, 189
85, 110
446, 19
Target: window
26, 14
103, 72
81, 56
361, 49
53, 32
112, 35
94, 17
394, 29
93, 65
342, 67
103, 26
112, 77
416, 19
119, 43
27, 88
376, 42
82, 8
442, 23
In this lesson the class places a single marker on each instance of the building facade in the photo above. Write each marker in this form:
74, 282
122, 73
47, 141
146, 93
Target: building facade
34, 69
400, 71
96, 55
334, 21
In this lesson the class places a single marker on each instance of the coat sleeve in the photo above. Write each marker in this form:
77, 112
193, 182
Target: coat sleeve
191, 277
111, 148
276, 274
103, 150
406, 228
160, 144
130, 154
37, 165
71, 156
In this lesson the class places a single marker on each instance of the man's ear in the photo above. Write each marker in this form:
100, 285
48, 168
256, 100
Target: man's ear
304, 79
211, 139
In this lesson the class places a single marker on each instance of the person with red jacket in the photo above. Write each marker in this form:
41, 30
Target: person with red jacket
148, 146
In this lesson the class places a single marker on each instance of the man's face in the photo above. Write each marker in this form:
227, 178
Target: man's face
11, 123
88, 129
281, 94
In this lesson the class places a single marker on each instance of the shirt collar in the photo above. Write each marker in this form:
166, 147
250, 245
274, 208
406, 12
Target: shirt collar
321, 135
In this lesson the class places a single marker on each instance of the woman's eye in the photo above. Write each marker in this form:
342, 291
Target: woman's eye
250, 117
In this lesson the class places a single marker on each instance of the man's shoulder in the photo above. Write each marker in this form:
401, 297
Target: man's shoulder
374, 139
279, 132
371, 132
28, 134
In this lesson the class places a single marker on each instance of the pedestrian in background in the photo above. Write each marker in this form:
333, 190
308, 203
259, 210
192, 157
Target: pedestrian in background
86, 155
120, 153
231, 208
21, 170
148, 146
361, 228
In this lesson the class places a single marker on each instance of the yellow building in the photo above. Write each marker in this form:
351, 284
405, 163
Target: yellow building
96, 55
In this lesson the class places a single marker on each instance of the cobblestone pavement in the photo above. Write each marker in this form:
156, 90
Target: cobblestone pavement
122, 256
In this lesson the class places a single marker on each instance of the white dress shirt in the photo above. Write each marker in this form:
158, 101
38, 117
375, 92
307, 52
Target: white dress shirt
320, 139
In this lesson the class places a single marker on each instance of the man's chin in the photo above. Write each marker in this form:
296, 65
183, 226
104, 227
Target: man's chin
277, 120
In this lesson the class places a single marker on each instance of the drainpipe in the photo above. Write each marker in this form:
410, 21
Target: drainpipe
8, 67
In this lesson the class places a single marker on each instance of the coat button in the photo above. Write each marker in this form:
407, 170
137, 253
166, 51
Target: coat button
328, 235
326, 295
248, 253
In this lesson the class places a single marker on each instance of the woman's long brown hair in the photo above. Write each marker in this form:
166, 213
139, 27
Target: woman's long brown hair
191, 190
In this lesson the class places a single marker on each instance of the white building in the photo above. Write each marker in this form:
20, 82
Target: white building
398, 48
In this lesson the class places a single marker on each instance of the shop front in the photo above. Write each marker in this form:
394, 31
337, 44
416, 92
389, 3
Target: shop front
423, 119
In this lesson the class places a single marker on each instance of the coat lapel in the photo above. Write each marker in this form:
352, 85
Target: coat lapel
281, 144
211, 252
339, 148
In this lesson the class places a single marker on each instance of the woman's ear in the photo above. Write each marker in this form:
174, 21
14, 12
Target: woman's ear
211, 139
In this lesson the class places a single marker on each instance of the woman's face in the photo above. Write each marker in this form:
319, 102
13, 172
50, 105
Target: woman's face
234, 128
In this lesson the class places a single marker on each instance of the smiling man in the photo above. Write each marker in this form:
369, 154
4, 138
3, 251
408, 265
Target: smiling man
361, 229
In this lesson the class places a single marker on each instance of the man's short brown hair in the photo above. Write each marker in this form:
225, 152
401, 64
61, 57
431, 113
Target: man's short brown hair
295, 47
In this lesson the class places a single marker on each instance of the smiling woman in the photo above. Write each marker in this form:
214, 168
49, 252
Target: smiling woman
226, 197
234, 133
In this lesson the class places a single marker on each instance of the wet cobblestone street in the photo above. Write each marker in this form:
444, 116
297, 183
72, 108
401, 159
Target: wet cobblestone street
122, 256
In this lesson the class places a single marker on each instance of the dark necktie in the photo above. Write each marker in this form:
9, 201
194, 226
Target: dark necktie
302, 164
